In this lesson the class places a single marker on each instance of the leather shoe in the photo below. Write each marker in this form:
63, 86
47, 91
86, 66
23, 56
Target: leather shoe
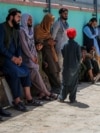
20, 106
4, 113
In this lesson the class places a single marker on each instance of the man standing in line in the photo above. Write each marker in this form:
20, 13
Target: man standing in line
90, 36
58, 34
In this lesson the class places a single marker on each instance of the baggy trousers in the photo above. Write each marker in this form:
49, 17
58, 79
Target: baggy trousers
16, 76
69, 88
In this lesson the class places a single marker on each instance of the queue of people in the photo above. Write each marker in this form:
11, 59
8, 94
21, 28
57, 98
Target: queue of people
46, 57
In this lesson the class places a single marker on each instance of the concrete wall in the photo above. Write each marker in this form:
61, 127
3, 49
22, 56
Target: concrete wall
76, 18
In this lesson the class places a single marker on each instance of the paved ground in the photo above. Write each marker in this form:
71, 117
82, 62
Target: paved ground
55, 117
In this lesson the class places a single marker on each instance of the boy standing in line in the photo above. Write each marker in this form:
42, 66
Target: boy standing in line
71, 62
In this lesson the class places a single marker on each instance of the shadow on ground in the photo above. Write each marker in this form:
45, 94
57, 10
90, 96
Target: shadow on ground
16, 113
79, 105
83, 85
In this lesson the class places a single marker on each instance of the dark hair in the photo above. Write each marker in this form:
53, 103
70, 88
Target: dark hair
39, 42
83, 48
63, 10
13, 13
93, 20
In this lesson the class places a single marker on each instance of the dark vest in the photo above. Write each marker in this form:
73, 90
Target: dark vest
88, 42
8, 34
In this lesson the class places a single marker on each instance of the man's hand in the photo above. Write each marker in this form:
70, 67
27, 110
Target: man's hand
35, 60
45, 64
17, 60
51, 42
14, 60
20, 60
81, 60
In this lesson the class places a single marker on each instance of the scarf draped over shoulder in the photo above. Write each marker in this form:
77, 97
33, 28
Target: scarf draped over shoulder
29, 31
43, 32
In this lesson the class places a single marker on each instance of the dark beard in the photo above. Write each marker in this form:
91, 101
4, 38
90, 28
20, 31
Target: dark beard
15, 25
64, 18
29, 26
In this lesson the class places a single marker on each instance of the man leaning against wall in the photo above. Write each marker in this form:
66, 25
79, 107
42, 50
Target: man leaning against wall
58, 34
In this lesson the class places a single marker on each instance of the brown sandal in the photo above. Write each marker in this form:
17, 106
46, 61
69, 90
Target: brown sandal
54, 96
47, 98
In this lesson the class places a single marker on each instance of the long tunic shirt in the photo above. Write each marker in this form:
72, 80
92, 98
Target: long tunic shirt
14, 73
10, 50
58, 33
90, 38
4, 48
71, 61
29, 50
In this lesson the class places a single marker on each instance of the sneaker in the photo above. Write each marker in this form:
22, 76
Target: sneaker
20, 106
34, 103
